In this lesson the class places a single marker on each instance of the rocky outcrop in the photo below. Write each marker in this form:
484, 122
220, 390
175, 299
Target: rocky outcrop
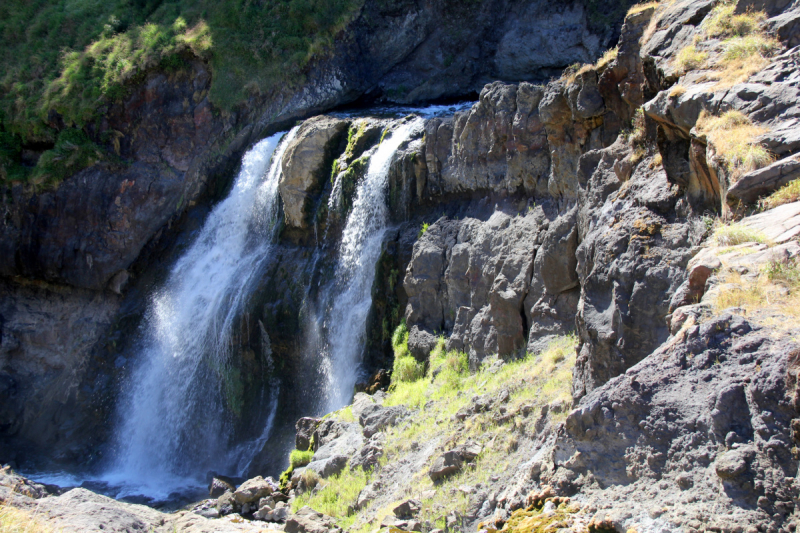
306, 166
699, 426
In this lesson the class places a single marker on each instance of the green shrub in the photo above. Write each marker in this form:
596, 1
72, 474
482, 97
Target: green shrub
423, 229
300, 458
337, 495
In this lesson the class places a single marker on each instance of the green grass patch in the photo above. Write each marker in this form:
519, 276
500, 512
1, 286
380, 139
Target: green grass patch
76, 56
300, 458
405, 369
723, 22
335, 496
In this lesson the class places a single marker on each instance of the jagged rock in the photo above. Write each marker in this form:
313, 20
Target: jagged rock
306, 164
498, 145
749, 187
344, 443
254, 489
304, 430
469, 450
227, 504
218, 487
420, 343
376, 417
368, 456
779, 224
329, 466
446, 464
715, 408
272, 512
22, 485
407, 509
692, 290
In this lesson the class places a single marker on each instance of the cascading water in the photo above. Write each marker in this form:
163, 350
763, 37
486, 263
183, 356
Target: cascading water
175, 422
350, 299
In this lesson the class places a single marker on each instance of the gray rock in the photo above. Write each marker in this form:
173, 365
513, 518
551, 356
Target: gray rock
346, 441
227, 504
376, 417
80, 510
329, 466
446, 464
218, 487
306, 164
253, 490
407, 509
420, 343
307, 520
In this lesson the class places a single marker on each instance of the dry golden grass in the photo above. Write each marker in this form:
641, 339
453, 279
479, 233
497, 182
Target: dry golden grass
785, 195
13, 520
609, 56
677, 91
638, 8
734, 137
761, 298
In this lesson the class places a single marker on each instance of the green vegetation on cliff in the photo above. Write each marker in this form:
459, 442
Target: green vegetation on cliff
69, 58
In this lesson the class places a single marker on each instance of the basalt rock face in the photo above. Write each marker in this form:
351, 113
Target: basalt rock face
707, 415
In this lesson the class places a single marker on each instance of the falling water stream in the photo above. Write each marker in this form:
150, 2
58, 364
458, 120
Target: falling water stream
175, 421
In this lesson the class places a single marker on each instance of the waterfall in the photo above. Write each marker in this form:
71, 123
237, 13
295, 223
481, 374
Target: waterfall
175, 419
346, 317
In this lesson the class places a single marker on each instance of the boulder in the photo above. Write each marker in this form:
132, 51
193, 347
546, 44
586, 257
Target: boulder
307, 520
81, 510
218, 487
227, 504
329, 466
446, 464
376, 417
780, 224
254, 489
306, 164
420, 343
408, 509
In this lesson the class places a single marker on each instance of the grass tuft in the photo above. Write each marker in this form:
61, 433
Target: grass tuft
300, 458
723, 22
785, 195
13, 520
734, 137
738, 233
405, 367
690, 58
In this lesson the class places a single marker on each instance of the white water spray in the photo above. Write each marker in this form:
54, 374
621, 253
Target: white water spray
355, 272
176, 418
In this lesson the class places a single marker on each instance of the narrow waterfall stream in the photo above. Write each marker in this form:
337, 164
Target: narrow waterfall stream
175, 419
346, 317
